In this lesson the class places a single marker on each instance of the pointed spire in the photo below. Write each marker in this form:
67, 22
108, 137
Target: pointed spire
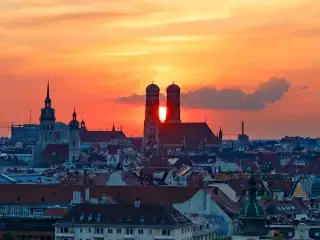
74, 114
113, 127
48, 99
252, 190
48, 89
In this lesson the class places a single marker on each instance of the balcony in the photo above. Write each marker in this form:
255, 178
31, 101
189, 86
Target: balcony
129, 237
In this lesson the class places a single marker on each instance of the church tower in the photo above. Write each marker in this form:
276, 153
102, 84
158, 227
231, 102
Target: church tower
47, 121
151, 121
74, 139
251, 216
173, 104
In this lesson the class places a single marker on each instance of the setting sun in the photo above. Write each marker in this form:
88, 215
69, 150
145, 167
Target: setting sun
162, 113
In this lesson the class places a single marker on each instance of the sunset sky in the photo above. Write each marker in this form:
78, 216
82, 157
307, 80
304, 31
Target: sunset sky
252, 60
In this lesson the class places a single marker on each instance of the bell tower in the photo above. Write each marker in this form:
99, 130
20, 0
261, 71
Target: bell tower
74, 139
151, 121
47, 121
173, 104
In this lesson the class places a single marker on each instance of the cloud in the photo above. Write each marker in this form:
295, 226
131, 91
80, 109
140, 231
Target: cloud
211, 98
83, 11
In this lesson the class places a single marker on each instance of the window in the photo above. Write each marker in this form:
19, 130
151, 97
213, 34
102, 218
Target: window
89, 230
165, 232
26, 210
150, 231
110, 231
3, 210
140, 231
15, 210
37, 212
129, 231
119, 231
98, 230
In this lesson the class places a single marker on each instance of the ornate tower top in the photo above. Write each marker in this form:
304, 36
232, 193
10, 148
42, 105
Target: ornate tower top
48, 99
74, 123
152, 88
252, 208
48, 113
173, 88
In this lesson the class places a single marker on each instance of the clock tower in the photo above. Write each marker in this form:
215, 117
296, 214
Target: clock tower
74, 139
47, 121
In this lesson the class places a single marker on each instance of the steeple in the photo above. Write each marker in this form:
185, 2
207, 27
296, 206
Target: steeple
220, 133
252, 189
48, 99
74, 115
113, 128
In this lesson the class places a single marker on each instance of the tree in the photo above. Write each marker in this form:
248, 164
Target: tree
8, 236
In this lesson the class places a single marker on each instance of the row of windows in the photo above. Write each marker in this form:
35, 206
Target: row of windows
127, 231
16, 210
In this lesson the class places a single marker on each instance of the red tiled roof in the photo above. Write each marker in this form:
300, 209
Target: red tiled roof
193, 133
100, 136
63, 193
224, 202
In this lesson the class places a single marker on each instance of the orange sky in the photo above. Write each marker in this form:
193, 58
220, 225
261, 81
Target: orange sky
95, 51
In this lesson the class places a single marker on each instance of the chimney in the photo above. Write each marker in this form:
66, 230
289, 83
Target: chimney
136, 203
104, 198
76, 196
242, 128
87, 194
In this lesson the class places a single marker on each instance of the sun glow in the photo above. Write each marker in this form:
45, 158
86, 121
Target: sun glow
162, 113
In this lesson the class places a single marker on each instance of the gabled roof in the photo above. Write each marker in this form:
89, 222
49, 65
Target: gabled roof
125, 214
100, 136
195, 134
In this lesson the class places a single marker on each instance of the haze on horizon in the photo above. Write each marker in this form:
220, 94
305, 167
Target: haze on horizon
235, 60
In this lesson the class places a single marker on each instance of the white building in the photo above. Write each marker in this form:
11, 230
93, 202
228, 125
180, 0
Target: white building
116, 221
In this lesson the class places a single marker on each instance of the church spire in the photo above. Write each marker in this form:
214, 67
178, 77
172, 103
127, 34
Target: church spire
48, 99
220, 133
113, 128
252, 189
74, 114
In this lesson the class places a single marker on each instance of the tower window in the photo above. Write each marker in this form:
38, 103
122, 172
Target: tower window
73, 143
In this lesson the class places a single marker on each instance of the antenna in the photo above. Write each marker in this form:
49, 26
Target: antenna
30, 117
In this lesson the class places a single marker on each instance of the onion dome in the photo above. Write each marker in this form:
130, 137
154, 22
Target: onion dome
252, 208
173, 88
153, 88
74, 123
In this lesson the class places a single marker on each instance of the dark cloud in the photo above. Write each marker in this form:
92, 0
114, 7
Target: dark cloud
211, 98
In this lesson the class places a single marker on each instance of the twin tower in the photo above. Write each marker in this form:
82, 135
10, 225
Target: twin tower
152, 120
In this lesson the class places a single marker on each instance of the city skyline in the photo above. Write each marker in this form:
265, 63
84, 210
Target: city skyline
254, 61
